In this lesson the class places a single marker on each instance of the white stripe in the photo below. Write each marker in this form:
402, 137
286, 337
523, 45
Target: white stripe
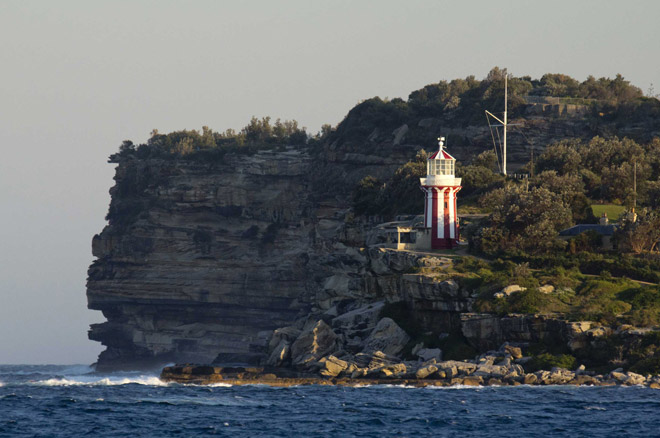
441, 213
452, 214
429, 208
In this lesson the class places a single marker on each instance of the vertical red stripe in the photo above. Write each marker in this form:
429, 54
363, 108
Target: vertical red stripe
447, 216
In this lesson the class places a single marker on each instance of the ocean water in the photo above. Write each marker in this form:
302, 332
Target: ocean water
53, 401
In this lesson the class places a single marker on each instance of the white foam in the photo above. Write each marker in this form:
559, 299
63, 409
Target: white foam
219, 385
455, 387
1, 384
384, 385
96, 381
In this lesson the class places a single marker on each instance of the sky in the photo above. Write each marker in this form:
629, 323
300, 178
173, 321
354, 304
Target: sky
79, 77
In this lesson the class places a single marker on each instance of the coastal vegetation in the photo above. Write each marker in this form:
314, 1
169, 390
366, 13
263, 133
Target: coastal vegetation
209, 145
462, 102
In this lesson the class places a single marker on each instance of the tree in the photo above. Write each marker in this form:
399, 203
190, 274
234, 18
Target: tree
367, 196
559, 85
562, 157
522, 220
641, 235
487, 159
402, 194
184, 146
571, 190
476, 178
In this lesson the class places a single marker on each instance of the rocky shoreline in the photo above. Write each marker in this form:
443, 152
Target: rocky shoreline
208, 375
494, 368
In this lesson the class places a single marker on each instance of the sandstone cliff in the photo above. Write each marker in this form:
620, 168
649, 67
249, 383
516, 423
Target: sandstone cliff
199, 258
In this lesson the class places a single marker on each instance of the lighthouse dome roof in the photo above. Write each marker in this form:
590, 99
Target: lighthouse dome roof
441, 155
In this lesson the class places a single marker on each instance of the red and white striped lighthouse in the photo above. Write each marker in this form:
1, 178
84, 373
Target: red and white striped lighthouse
440, 188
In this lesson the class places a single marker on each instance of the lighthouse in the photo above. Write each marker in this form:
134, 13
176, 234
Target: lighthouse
440, 187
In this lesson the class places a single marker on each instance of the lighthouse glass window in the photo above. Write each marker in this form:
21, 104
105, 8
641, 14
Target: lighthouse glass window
442, 167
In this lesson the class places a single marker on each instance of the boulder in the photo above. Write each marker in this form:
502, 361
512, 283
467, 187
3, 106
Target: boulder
377, 359
280, 354
599, 332
473, 381
547, 289
487, 360
635, 379
332, 367
515, 352
512, 289
359, 372
288, 334
313, 343
357, 320
486, 370
426, 354
417, 347
387, 337
560, 376
530, 379
391, 371
426, 371
454, 367
543, 377
618, 376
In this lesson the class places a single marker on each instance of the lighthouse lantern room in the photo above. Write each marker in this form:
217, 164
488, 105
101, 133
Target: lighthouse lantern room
440, 187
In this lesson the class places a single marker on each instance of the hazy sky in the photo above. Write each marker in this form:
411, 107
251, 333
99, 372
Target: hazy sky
78, 77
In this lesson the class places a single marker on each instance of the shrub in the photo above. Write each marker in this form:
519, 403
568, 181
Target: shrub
546, 361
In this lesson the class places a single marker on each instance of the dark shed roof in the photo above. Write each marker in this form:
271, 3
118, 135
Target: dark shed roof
603, 230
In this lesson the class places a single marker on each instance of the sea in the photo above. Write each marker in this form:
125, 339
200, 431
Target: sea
73, 401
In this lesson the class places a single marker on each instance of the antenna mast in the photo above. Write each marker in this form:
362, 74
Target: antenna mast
635, 188
503, 122
506, 75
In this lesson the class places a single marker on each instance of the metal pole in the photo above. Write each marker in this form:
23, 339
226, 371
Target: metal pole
635, 188
505, 121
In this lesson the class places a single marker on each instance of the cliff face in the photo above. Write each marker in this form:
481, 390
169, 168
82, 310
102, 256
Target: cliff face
201, 258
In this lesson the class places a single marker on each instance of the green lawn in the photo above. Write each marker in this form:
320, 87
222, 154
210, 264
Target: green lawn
613, 211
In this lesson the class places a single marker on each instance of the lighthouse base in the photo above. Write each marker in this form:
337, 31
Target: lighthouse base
424, 241
444, 243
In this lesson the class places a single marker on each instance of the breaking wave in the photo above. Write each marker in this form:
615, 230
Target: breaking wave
100, 381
